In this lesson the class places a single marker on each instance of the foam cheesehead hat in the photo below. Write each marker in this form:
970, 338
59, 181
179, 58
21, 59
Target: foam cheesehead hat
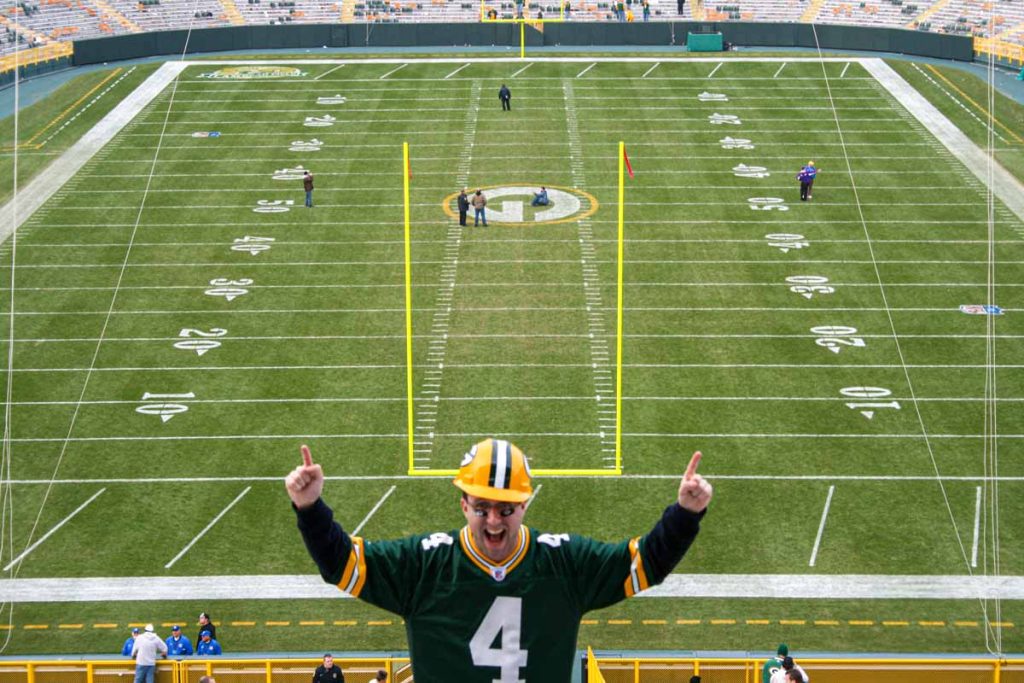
495, 470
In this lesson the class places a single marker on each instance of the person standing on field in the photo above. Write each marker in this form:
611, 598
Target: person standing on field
494, 600
505, 95
307, 185
479, 214
463, 207
806, 177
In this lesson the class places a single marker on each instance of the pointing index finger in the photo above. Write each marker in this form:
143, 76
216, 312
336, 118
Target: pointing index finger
307, 457
691, 469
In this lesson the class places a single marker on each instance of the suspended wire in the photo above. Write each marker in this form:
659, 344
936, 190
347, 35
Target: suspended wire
892, 326
5, 466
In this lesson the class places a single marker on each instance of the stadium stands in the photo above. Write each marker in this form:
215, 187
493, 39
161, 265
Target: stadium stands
42, 22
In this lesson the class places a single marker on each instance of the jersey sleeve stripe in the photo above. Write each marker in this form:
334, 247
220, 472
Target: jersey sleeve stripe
354, 576
637, 580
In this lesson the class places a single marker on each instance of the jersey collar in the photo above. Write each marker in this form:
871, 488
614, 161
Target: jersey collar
498, 572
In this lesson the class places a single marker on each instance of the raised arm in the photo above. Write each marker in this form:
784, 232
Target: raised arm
326, 541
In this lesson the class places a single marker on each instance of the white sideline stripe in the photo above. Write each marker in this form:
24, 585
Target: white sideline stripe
207, 528
52, 531
404, 436
929, 479
373, 511
39, 191
402, 66
456, 71
821, 526
586, 70
715, 69
522, 70
328, 72
307, 586
656, 65
977, 527
1007, 188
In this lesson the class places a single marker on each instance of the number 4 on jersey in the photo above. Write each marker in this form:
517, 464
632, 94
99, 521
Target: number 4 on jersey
505, 617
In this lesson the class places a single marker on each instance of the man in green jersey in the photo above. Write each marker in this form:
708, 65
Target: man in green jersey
774, 663
494, 601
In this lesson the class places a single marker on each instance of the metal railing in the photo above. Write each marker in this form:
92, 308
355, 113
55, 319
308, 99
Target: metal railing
36, 55
1013, 53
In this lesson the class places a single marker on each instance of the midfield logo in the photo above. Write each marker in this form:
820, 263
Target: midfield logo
980, 309
255, 72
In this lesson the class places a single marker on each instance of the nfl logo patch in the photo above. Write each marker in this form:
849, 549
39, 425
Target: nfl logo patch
498, 574
980, 309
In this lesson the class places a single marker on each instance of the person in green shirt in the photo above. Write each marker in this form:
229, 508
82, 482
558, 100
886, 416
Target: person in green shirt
494, 601
774, 663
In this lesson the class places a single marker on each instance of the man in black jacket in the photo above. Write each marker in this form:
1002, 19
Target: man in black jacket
328, 672
505, 95
463, 208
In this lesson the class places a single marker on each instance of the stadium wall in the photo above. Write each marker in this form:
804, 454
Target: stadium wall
665, 34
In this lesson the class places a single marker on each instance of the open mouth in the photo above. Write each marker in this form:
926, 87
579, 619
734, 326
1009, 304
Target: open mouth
494, 538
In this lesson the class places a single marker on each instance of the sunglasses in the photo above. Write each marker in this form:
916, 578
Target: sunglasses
505, 509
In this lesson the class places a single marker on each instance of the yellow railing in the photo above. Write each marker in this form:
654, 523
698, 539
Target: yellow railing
1011, 52
845, 670
190, 670
35, 55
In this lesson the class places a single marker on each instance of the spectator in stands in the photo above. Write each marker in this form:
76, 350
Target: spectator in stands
147, 649
328, 672
207, 645
620, 10
479, 214
774, 663
207, 679
126, 649
540, 198
206, 625
567, 8
647, 9
492, 14
463, 207
307, 185
793, 676
694, 679
789, 667
178, 645
505, 95
806, 177
679, 6
382, 675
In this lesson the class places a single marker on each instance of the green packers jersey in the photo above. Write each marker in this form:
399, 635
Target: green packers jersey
506, 623
770, 667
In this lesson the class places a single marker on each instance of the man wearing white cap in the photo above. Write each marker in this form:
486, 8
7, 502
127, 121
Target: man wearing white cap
494, 601
147, 650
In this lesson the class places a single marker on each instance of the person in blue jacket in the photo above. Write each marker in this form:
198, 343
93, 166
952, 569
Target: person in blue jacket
126, 650
806, 177
540, 198
178, 645
207, 646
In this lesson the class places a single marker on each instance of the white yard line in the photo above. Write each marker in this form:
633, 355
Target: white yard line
821, 526
399, 68
207, 528
656, 65
522, 70
780, 70
844, 71
533, 495
586, 70
311, 586
52, 531
977, 527
1008, 189
457, 71
715, 70
329, 72
373, 511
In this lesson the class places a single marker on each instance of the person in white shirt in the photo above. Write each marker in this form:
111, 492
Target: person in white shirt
789, 667
147, 649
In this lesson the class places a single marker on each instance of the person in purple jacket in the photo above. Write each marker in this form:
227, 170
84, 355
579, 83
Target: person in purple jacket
806, 177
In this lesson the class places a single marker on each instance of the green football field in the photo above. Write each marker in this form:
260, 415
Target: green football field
183, 323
